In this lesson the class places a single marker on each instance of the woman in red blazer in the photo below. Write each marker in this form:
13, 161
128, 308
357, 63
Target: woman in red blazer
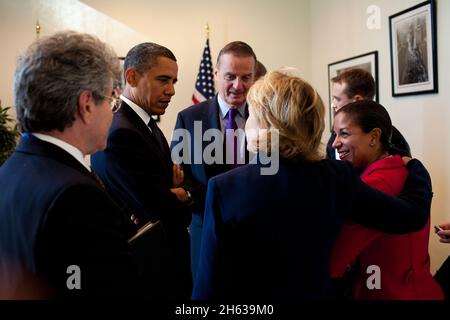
402, 262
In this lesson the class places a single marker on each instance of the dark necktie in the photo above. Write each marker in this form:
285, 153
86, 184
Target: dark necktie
157, 133
231, 141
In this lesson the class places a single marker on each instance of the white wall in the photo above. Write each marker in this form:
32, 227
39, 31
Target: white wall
338, 29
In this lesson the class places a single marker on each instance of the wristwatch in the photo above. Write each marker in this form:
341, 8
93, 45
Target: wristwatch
189, 200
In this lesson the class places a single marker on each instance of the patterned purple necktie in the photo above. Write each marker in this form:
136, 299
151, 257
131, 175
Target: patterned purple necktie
230, 139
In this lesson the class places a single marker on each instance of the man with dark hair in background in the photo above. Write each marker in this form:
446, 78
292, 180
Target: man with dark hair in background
234, 73
353, 85
260, 70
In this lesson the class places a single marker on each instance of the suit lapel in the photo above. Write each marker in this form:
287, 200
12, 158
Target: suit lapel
150, 139
126, 112
31, 145
211, 116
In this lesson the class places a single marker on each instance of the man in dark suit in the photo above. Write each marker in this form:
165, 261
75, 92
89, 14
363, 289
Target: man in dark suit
234, 74
136, 165
353, 85
61, 234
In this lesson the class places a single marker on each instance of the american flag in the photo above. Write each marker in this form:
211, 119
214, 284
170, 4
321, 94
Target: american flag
204, 86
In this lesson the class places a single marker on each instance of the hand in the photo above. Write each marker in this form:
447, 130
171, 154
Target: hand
445, 232
406, 160
180, 193
178, 175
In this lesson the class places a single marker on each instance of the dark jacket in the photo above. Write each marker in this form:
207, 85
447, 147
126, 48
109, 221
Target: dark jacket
54, 214
275, 242
137, 170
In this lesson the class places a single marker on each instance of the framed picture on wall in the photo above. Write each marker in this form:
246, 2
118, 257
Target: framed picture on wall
366, 61
413, 50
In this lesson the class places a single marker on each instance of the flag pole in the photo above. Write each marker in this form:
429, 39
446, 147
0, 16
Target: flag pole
207, 30
37, 28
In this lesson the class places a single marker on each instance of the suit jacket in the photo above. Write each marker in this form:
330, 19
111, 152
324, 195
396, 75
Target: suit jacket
403, 259
275, 242
54, 214
138, 172
198, 174
400, 144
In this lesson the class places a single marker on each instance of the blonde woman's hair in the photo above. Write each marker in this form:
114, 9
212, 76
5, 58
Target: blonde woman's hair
290, 105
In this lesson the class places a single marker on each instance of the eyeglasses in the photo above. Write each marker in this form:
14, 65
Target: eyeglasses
114, 104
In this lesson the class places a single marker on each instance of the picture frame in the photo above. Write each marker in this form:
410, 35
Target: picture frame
413, 45
367, 61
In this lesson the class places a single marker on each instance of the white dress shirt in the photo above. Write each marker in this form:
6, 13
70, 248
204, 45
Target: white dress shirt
139, 111
73, 151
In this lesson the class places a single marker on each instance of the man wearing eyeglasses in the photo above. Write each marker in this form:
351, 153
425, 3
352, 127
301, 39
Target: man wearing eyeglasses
136, 165
61, 235
114, 103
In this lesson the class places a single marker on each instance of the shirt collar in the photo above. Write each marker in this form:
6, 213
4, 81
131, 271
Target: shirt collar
224, 107
139, 111
73, 151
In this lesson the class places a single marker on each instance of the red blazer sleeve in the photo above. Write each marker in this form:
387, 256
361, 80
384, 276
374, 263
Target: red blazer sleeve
387, 176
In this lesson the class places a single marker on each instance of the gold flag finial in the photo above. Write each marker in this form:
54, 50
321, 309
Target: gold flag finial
207, 30
38, 28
